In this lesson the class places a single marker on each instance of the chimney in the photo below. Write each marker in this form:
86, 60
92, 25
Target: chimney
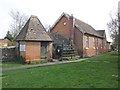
71, 28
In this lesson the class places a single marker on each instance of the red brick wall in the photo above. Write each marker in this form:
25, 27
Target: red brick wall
100, 49
62, 29
104, 47
50, 51
91, 50
78, 40
32, 51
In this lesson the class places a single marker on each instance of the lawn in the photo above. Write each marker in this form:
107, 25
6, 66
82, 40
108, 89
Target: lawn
10, 64
15, 63
99, 72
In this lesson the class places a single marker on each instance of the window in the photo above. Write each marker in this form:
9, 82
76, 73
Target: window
97, 43
22, 47
94, 42
105, 45
64, 23
87, 41
101, 43
44, 48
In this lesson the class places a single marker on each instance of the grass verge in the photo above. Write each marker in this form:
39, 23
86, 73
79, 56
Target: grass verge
99, 72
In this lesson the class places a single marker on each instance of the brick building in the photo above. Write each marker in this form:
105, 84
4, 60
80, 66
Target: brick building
33, 41
85, 38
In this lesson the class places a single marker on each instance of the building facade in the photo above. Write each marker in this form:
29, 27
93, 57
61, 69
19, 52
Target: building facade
85, 38
34, 44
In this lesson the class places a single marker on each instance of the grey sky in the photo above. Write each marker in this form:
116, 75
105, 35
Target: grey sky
94, 12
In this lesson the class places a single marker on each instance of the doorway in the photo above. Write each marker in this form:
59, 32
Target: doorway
44, 50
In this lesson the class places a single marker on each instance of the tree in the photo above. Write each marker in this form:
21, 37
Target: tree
47, 27
113, 27
19, 20
9, 36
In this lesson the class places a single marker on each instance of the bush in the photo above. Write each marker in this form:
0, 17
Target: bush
44, 61
114, 53
69, 58
37, 62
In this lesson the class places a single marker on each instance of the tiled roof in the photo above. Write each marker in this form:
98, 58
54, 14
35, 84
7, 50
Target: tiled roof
33, 30
4, 40
82, 26
86, 28
101, 32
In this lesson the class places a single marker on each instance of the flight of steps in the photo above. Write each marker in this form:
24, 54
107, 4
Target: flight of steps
69, 51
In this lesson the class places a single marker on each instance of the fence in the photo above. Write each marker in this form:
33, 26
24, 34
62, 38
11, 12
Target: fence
7, 53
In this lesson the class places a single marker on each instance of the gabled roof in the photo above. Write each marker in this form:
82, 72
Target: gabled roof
82, 26
5, 40
33, 30
63, 14
101, 32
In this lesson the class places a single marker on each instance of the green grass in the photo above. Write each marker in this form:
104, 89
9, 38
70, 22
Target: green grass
0, 64
16, 64
100, 72
11, 64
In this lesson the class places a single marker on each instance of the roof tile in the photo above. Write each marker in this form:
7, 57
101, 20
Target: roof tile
33, 30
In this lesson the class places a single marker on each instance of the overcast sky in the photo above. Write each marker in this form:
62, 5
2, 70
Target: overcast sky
94, 12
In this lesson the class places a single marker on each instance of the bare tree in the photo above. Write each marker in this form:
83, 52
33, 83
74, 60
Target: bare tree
47, 27
113, 27
19, 20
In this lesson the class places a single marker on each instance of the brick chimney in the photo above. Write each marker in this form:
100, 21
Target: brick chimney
71, 28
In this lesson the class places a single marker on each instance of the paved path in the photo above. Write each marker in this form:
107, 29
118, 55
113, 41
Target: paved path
40, 65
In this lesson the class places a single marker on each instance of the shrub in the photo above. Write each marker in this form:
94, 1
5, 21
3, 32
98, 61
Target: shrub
114, 53
37, 62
